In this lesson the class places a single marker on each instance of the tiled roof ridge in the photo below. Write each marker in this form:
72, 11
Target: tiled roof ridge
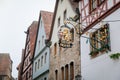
47, 20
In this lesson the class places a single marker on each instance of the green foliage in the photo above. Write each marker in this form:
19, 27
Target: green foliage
103, 48
115, 56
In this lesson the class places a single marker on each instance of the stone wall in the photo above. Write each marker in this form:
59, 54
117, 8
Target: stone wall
64, 57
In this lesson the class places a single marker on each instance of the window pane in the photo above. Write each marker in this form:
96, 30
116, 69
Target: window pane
62, 73
71, 71
66, 72
58, 21
45, 57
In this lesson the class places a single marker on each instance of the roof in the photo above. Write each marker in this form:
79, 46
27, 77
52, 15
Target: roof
74, 6
5, 64
32, 34
47, 20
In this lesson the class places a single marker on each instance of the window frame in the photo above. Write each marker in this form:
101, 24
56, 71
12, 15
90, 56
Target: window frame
55, 49
45, 58
42, 60
38, 63
91, 4
59, 22
65, 15
62, 73
35, 66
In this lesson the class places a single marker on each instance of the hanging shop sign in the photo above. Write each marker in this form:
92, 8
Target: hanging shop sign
66, 36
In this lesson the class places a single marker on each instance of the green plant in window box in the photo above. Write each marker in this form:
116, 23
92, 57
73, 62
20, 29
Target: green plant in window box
102, 49
93, 53
115, 56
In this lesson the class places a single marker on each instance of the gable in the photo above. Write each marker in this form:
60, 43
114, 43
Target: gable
45, 20
70, 7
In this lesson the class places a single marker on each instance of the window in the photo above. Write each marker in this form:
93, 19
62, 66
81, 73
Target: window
38, 63
62, 73
42, 40
60, 50
27, 48
71, 71
29, 58
1, 77
38, 44
100, 40
65, 15
94, 4
35, 66
27, 76
45, 57
27, 61
30, 72
100, 2
72, 34
42, 61
94, 40
66, 72
55, 48
45, 78
41, 23
58, 21
56, 75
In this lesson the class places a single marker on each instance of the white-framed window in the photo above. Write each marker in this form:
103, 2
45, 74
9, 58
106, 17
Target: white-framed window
58, 21
45, 57
65, 15
42, 40
38, 63
35, 66
41, 61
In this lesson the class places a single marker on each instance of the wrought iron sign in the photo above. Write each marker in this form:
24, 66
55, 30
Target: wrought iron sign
66, 36
100, 40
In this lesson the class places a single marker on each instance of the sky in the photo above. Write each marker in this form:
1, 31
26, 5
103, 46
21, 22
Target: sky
15, 17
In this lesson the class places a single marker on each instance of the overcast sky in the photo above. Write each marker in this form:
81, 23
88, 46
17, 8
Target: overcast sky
15, 17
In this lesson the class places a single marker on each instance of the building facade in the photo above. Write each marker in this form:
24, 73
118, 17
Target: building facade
25, 66
19, 67
64, 62
5, 67
42, 50
99, 40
